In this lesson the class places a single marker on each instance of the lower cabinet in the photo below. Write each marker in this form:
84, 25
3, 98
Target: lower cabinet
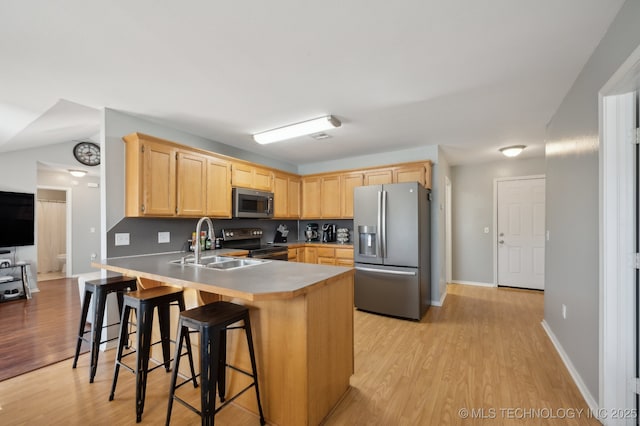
323, 255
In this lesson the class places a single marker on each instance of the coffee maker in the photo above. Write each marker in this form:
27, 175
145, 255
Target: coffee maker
328, 233
311, 233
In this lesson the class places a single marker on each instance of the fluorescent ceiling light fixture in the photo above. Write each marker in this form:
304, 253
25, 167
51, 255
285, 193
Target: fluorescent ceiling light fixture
299, 129
77, 173
512, 151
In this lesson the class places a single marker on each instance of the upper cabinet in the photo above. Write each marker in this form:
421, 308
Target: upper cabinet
165, 179
378, 177
218, 187
246, 175
348, 183
286, 196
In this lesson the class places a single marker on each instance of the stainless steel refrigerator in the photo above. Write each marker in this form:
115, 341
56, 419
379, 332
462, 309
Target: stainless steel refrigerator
391, 249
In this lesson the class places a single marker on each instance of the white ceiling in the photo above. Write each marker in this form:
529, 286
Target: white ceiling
471, 76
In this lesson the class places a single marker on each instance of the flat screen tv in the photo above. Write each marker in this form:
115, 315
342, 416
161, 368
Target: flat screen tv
16, 219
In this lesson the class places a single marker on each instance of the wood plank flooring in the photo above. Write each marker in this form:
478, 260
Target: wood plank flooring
485, 349
40, 331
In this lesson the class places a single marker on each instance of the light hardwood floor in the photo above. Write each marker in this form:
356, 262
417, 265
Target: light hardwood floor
485, 349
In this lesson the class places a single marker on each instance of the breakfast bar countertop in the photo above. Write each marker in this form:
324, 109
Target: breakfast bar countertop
272, 280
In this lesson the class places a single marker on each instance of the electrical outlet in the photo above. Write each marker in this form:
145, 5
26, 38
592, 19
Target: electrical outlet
564, 311
122, 239
486, 229
164, 237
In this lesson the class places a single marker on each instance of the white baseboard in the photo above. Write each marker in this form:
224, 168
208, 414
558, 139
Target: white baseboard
479, 284
439, 302
591, 401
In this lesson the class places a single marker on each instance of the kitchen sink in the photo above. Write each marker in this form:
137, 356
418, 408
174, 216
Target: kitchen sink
222, 263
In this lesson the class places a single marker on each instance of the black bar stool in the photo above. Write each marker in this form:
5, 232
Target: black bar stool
212, 322
100, 288
144, 302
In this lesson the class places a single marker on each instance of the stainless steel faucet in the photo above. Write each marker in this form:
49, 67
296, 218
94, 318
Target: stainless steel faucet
196, 244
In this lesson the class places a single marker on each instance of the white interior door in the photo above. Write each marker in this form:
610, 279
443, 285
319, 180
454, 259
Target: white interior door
521, 232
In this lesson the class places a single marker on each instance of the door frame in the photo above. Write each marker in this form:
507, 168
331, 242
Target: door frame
69, 220
495, 217
448, 231
617, 351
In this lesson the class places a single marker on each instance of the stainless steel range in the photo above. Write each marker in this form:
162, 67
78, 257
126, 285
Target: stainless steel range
250, 239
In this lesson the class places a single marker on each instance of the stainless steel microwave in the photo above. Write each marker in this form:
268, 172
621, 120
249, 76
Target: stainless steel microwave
252, 203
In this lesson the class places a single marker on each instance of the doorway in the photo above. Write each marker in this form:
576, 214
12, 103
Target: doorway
520, 228
53, 212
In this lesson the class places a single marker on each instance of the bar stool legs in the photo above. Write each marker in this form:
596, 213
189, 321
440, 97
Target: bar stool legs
144, 302
213, 321
99, 289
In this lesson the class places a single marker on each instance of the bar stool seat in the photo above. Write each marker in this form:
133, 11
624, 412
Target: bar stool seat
101, 289
144, 302
212, 321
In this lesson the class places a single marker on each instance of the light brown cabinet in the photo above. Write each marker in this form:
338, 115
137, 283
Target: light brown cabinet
163, 179
286, 195
413, 173
349, 181
150, 177
378, 177
218, 188
330, 197
323, 255
246, 175
311, 200
191, 184
311, 255
167, 179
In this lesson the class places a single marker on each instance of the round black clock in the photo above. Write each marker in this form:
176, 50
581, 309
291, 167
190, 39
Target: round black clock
88, 153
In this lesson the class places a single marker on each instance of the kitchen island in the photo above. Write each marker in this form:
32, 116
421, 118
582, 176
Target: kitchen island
302, 316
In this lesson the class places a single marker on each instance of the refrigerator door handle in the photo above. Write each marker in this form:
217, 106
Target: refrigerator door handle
379, 236
384, 224
385, 271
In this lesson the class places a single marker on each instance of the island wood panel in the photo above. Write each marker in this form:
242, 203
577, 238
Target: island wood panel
304, 353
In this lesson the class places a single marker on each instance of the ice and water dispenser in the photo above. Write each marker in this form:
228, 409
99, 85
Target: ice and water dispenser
367, 244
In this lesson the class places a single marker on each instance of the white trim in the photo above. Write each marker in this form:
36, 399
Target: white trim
495, 216
447, 230
591, 401
439, 302
617, 229
479, 284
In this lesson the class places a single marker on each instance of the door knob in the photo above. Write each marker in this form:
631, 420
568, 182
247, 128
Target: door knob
501, 242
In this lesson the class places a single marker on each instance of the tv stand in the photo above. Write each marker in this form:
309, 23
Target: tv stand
11, 285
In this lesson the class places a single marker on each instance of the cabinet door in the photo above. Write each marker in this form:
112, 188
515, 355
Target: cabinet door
310, 255
412, 173
330, 197
242, 175
293, 255
191, 175
311, 198
300, 254
294, 198
280, 196
262, 179
218, 187
158, 179
378, 177
349, 181
326, 261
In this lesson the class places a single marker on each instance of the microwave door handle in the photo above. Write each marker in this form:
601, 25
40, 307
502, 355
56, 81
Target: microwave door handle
270, 205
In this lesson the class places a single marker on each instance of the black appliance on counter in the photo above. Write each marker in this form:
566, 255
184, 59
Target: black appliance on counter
250, 239
328, 233
281, 234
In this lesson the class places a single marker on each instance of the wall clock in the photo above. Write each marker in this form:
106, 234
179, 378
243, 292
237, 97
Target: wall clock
88, 153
